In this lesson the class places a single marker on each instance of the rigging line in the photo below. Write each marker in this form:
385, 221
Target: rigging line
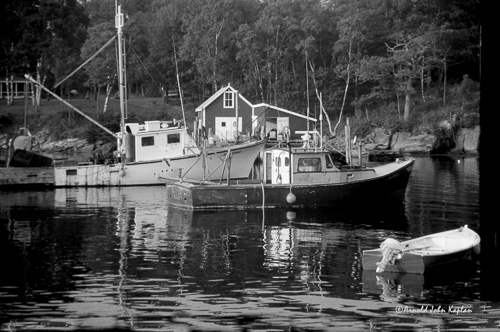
139, 55
142, 63
88, 60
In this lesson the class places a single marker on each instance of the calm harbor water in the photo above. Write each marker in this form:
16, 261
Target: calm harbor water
120, 257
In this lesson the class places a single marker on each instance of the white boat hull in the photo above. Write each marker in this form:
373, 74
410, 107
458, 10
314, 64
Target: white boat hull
427, 251
158, 172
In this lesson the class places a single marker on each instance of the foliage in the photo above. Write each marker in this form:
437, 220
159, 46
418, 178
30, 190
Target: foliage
396, 63
43, 38
6, 123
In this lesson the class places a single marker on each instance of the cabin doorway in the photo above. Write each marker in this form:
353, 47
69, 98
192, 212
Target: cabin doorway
278, 167
274, 127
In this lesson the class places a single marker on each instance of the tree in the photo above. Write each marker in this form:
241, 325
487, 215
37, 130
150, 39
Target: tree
42, 37
207, 30
102, 70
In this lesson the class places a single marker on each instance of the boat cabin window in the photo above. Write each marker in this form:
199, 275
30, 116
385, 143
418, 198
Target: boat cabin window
148, 141
309, 165
277, 161
173, 138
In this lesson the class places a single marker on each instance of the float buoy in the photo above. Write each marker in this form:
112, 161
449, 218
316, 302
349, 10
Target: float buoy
290, 198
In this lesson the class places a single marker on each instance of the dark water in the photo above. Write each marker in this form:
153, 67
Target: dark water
119, 257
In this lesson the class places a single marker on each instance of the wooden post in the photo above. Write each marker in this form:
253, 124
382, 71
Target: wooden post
359, 152
195, 131
237, 122
348, 142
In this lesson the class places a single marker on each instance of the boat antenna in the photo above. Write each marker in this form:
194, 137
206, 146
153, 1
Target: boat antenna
178, 80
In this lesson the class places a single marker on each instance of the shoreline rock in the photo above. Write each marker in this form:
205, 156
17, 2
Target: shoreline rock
466, 142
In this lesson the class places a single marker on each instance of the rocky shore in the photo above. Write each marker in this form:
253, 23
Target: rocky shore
466, 141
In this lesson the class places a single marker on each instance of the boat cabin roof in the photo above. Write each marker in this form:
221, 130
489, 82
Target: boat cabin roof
151, 126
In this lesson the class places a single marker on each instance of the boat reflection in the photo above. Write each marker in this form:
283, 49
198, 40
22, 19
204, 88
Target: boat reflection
397, 287
393, 286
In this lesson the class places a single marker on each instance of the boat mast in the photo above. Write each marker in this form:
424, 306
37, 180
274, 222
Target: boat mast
178, 81
121, 85
307, 89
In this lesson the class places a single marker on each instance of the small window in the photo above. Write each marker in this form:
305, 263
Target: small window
228, 99
277, 161
148, 141
173, 138
223, 124
287, 161
309, 165
70, 172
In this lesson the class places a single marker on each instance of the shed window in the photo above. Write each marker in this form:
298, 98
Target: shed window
148, 141
228, 99
173, 138
309, 165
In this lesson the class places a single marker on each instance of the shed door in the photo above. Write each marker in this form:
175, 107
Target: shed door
225, 127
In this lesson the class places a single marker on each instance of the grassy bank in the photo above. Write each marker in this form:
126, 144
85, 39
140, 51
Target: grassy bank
55, 120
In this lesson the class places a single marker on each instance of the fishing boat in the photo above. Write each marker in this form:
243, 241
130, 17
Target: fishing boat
417, 255
154, 152
294, 177
158, 152
20, 166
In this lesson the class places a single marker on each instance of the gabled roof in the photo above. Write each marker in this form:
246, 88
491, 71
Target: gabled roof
285, 111
217, 95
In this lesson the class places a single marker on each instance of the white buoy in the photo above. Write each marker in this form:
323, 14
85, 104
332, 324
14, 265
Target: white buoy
290, 198
122, 172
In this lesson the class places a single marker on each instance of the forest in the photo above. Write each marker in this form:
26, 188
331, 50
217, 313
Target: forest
390, 63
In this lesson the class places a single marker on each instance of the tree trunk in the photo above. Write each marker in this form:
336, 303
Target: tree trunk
259, 81
407, 100
422, 80
9, 90
322, 109
97, 99
398, 102
348, 80
357, 110
38, 94
108, 92
445, 70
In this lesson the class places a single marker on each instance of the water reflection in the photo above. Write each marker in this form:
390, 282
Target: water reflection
107, 257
